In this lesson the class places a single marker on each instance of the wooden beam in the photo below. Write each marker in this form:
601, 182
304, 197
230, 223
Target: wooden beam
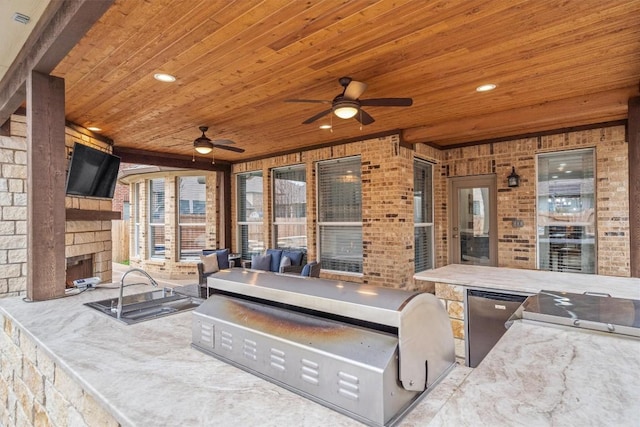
154, 158
62, 25
578, 111
634, 185
46, 164
91, 215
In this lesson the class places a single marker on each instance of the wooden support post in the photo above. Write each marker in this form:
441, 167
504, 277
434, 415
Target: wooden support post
46, 165
634, 185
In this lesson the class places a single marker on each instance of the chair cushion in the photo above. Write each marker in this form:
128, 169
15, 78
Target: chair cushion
210, 263
261, 262
284, 262
223, 256
306, 270
295, 256
276, 256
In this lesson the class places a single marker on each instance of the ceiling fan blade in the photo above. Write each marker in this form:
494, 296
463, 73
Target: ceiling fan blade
223, 142
387, 102
354, 90
314, 101
317, 116
229, 148
364, 117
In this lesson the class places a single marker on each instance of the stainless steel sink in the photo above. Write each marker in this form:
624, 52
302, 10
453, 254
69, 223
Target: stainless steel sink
148, 305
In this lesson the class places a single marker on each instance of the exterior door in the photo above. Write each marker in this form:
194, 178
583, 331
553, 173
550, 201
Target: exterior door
474, 223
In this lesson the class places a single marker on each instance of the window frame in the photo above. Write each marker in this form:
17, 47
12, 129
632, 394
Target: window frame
541, 233
322, 225
151, 223
136, 219
298, 221
180, 226
430, 226
241, 222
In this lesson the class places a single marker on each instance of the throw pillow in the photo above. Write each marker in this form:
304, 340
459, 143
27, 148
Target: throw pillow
223, 258
296, 256
210, 263
261, 262
285, 262
276, 256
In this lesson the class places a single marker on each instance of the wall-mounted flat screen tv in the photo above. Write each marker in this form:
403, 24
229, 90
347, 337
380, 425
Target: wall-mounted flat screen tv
92, 173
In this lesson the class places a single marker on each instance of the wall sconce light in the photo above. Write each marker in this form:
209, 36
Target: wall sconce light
513, 180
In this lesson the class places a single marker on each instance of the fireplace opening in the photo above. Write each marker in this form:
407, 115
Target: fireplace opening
79, 267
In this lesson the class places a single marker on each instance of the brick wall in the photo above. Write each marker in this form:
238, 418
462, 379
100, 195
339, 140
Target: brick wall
171, 266
387, 173
37, 391
517, 246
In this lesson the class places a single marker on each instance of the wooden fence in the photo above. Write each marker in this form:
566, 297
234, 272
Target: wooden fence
120, 240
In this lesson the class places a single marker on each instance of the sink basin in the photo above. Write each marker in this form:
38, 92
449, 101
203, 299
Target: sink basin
148, 305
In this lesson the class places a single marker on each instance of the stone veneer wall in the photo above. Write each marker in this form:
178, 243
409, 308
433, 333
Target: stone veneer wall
89, 237
81, 237
13, 210
37, 391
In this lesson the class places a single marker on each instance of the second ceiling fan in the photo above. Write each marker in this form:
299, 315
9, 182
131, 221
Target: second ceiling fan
348, 104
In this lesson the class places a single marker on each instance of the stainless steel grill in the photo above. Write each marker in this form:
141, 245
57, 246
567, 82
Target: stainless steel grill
365, 351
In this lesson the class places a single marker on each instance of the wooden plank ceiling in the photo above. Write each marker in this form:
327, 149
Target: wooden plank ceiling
555, 64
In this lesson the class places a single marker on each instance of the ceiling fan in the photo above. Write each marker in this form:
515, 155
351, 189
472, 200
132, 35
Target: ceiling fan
348, 104
204, 145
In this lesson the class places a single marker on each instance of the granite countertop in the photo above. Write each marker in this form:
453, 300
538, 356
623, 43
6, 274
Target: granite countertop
550, 376
148, 374
531, 281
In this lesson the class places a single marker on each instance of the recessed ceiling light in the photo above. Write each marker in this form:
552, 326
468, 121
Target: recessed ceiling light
486, 88
567, 171
325, 126
555, 177
94, 128
162, 77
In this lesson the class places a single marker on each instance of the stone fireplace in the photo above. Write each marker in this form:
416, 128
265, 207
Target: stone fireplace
79, 267
88, 239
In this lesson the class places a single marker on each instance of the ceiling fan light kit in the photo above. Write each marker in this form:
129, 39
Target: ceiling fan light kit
346, 109
348, 104
204, 145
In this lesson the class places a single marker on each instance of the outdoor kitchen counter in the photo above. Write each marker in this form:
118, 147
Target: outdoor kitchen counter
550, 376
531, 281
148, 375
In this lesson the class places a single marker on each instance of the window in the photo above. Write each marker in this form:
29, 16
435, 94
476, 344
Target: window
290, 208
340, 215
566, 212
250, 213
423, 215
137, 209
156, 218
191, 216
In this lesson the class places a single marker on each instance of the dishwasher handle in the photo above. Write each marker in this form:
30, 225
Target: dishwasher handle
499, 296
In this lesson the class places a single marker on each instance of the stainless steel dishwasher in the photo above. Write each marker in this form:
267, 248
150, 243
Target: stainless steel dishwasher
487, 312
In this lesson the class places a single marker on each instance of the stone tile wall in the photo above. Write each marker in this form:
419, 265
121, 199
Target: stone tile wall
81, 237
37, 391
13, 211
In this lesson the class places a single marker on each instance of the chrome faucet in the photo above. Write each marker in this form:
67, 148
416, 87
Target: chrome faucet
131, 270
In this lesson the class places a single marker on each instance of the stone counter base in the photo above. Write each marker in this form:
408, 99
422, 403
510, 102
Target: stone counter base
36, 391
